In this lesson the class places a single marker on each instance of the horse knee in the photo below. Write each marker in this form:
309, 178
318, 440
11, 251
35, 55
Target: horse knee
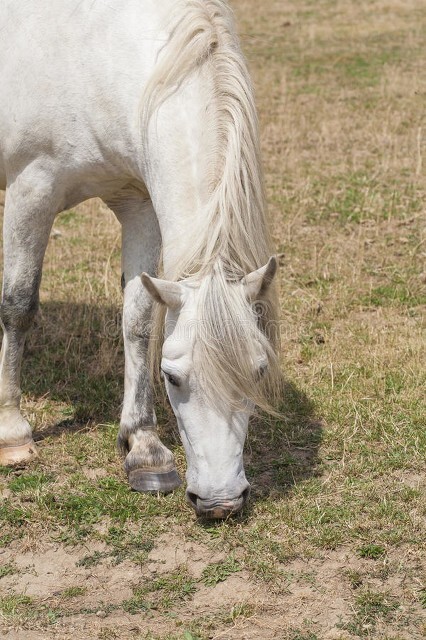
137, 323
18, 309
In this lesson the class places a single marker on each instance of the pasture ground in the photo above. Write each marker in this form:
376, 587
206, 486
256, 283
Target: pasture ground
332, 545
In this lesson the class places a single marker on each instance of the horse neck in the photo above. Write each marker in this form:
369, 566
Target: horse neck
180, 164
203, 165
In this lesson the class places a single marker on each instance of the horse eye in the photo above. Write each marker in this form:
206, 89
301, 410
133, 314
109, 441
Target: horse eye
171, 379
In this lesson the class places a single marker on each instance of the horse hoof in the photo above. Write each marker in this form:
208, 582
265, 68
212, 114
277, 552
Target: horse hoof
154, 481
18, 454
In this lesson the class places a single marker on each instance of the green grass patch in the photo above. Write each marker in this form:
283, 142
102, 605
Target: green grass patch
29, 482
73, 592
355, 578
92, 559
394, 294
15, 516
351, 69
371, 607
124, 545
21, 610
354, 197
7, 570
161, 593
220, 571
81, 505
371, 551
14, 605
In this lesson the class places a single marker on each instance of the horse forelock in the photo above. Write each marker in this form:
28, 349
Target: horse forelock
234, 336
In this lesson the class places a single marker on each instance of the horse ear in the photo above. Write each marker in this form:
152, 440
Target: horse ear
164, 291
258, 282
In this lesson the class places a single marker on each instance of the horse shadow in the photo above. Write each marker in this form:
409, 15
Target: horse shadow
74, 361
283, 451
74, 356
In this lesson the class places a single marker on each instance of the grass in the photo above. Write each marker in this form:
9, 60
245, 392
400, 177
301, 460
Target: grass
220, 571
372, 551
73, 592
7, 570
22, 610
339, 482
164, 592
13, 605
370, 608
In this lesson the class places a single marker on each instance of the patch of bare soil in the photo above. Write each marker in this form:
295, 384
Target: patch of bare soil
318, 595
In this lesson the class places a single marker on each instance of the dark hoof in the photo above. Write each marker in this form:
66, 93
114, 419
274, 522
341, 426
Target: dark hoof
154, 481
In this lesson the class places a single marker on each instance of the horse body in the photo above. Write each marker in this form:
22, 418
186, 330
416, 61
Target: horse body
71, 90
127, 104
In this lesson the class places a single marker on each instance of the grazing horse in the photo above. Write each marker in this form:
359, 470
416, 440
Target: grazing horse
149, 106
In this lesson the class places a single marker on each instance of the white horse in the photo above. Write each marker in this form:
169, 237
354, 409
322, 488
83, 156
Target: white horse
146, 104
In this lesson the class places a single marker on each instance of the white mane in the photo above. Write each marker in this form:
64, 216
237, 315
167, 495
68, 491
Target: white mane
233, 238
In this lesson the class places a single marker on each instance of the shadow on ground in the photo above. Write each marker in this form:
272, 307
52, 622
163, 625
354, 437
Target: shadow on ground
74, 355
281, 452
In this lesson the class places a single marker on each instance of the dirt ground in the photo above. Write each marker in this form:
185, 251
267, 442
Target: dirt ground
316, 588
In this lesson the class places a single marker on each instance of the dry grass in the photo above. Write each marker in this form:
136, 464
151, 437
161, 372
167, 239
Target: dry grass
332, 546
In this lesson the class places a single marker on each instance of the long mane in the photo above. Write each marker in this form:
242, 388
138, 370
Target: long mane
232, 238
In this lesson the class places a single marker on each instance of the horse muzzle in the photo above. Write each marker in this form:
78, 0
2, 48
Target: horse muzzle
217, 508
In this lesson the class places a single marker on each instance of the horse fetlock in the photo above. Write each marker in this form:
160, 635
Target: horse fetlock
148, 452
16, 443
14, 429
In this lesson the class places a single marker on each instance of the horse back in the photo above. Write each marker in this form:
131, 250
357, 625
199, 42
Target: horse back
72, 79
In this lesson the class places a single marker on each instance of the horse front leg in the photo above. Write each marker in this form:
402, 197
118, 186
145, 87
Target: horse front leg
149, 464
26, 229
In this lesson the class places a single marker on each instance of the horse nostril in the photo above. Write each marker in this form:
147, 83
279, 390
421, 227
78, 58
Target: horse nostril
245, 494
217, 508
192, 499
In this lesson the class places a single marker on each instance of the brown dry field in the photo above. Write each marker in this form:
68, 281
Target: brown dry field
332, 546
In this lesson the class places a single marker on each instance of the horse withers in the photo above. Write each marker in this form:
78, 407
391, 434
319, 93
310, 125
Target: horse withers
148, 106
